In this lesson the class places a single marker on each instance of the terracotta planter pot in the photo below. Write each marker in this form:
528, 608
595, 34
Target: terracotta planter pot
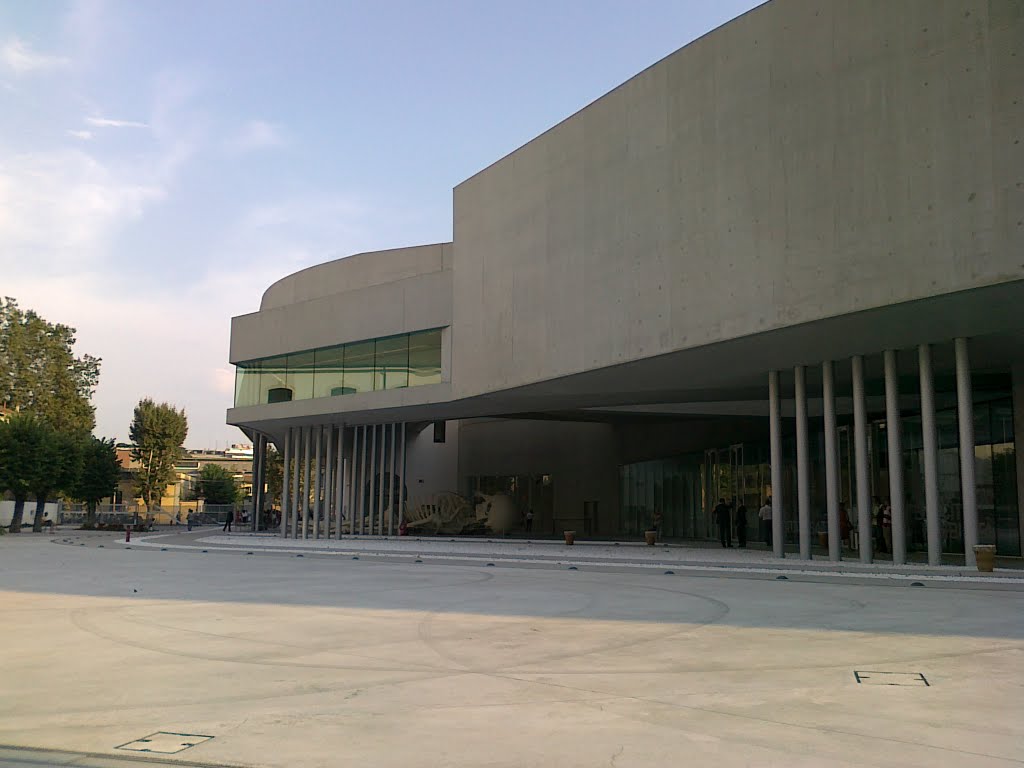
570, 537
985, 554
650, 537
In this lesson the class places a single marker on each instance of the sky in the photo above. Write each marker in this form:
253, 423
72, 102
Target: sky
162, 163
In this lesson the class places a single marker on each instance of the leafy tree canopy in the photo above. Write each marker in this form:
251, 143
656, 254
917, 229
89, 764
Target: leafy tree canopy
22, 448
99, 474
158, 431
39, 372
217, 485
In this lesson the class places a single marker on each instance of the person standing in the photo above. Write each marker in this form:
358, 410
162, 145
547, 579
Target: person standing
764, 515
879, 538
529, 520
845, 526
228, 519
741, 524
721, 513
188, 520
887, 526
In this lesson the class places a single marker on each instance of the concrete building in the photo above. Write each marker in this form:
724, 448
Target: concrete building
786, 261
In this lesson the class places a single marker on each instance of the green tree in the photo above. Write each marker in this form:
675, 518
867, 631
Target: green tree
39, 372
99, 474
22, 440
59, 463
217, 485
157, 432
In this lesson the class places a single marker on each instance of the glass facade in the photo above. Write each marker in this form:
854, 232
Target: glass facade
685, 489
392, 362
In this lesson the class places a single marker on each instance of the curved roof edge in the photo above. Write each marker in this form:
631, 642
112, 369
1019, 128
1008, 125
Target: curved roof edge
360, 270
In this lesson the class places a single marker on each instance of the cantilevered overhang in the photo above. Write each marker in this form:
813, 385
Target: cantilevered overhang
733, 370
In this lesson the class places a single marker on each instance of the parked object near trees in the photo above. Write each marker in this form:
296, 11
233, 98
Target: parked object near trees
158, 431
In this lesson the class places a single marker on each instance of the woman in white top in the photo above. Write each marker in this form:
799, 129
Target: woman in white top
765, 516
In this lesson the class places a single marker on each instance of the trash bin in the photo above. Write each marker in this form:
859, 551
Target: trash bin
985, 555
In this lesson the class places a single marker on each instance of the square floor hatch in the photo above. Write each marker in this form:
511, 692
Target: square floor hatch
891, 678
165, 743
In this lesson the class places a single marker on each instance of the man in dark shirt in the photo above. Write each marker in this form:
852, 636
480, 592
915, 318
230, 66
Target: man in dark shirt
741, 524
724, 523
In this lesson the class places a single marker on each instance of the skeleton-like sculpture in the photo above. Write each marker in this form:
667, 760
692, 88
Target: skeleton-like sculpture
452, 513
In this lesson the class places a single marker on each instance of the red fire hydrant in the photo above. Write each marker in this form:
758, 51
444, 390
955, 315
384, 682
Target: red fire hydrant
127, 533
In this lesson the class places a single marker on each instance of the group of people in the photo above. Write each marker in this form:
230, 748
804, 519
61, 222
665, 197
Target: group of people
727, 520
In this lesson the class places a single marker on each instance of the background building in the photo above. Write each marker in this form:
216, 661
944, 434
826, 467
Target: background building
785, 260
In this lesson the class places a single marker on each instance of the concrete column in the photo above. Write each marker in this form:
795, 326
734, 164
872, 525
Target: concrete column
381, 469
362, 481
307, 436
930, 450
401, 485
965, 416
775, 430
803, 479
262, 498
318, 440
284, 481
339, 481
828, 393
328, 479
255, 477
353, 479
349, 471
372, 478
296, 465
391, 481
894, 439
865, 529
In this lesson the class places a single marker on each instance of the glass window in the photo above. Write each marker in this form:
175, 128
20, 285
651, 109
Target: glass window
391, 367
330, 372
247, 384
424, 358
300, 375
273, 376
359, 367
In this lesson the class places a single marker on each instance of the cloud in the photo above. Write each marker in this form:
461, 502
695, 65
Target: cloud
257, 134
106, 122
83, 135
18, 56
62, 207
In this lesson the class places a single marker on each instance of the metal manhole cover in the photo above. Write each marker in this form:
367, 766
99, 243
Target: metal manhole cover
891, 678
165, 743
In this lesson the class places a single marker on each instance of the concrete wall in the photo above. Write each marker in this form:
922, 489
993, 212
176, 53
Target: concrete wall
581, 458
361, 297
358, 271
432, 467
804, 161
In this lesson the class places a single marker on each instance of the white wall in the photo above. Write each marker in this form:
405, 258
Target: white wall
432, 467
29, 515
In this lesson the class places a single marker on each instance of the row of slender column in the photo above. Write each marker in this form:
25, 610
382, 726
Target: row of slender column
865, 512
334, 474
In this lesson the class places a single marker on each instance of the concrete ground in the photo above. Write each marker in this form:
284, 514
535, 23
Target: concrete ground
327, 660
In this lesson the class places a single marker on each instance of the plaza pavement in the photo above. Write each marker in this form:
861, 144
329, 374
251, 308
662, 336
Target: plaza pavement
327, 660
